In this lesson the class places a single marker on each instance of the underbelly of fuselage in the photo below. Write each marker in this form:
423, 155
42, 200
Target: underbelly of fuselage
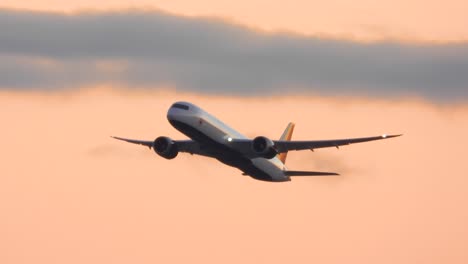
248, 167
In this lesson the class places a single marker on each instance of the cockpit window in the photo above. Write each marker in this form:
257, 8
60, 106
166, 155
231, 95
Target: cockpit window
181, 106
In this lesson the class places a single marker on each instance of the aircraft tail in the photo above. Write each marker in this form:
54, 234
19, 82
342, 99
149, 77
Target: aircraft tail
286, 136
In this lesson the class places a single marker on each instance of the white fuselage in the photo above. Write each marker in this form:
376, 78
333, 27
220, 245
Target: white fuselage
215, 136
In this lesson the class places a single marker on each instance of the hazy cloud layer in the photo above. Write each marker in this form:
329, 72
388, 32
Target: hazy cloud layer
147, 49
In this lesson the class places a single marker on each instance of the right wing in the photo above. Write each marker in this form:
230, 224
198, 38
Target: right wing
283, 146
245, 145
188, 146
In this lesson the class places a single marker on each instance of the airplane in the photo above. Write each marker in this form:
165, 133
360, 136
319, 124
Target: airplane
260, 158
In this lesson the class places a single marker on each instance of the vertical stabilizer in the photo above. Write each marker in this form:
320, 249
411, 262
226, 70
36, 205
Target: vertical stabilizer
287, 134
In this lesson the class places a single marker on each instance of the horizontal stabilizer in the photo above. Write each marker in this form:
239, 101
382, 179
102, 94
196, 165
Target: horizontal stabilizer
310, 173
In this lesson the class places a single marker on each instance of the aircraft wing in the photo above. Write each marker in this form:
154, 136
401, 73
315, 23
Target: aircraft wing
189, 146
281, 146
284, 146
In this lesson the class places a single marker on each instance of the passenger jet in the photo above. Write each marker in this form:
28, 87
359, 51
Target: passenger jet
261, 158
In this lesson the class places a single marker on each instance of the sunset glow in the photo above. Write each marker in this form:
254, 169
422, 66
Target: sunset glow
417, 20
75, 73
69, 193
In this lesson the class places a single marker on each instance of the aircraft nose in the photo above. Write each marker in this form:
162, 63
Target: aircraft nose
171, 113
175, 113
181, 110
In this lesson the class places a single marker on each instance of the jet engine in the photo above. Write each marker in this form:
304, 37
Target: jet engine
264, 147
165, 147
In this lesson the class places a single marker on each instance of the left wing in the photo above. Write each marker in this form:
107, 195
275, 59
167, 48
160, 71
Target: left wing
188, 146
148, 144
283, 146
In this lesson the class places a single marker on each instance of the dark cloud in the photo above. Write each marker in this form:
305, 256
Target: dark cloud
150, 48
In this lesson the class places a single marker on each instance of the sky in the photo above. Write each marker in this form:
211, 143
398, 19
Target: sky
415, 20
69, 193
74, 73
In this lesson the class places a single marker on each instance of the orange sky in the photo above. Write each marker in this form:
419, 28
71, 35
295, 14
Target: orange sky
70, 194
416, 20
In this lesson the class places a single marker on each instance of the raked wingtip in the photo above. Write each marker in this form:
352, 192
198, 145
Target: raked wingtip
391, 136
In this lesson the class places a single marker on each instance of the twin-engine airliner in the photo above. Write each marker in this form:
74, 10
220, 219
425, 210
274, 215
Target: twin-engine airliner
261, 158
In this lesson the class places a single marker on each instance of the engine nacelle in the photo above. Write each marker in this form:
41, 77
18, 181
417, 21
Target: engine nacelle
264, 147
165, 147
